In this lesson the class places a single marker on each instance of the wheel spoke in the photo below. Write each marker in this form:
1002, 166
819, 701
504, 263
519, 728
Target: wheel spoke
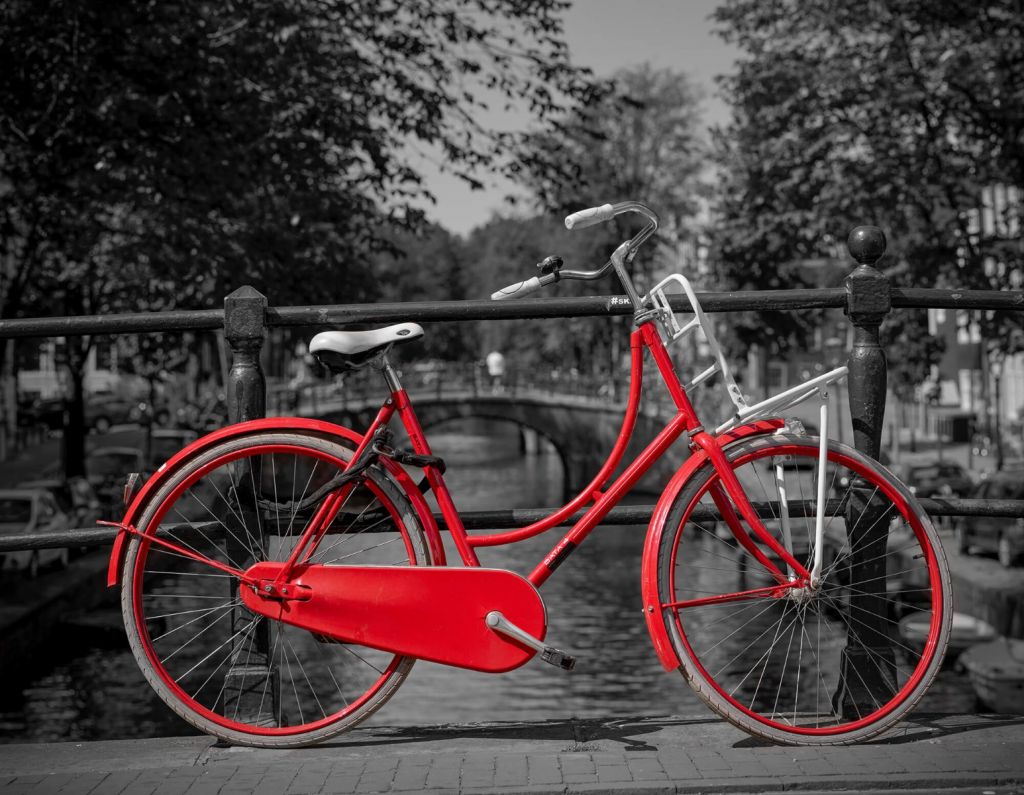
807, 660
227, 670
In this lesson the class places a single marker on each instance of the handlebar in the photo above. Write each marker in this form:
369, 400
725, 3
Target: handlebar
519, 289
581, 220
598, 215
584, 218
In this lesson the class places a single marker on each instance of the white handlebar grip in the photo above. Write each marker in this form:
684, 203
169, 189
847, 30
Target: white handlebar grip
517, 290
589, 217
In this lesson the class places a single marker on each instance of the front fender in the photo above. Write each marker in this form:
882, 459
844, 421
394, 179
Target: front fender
200, 446
649, 569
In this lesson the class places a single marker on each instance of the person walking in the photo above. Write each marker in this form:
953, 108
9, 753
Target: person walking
496, 371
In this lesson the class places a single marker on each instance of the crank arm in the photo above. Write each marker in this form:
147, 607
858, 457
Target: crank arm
549, 654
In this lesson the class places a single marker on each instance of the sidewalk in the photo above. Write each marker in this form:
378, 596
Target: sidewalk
965, 753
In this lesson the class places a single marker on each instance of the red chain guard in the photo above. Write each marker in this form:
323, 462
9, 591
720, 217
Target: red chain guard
433, 613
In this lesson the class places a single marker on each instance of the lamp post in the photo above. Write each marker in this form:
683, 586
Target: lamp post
996, 367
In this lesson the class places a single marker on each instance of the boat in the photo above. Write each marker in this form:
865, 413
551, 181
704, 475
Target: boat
966, 631
996, 671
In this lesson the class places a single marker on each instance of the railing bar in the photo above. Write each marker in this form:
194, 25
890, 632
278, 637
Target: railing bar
926, 297
340, 314
138, 322
504, 519
598, 305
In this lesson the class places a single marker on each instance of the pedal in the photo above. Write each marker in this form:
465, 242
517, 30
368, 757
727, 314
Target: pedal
497, 622
556, 657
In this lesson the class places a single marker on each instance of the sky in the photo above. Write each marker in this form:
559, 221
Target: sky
607, 35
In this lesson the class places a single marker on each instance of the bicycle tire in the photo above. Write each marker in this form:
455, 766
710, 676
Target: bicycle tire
165, 593
868, 675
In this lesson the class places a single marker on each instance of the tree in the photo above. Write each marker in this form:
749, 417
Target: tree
641, 142
898, 114
200, 147
428, 265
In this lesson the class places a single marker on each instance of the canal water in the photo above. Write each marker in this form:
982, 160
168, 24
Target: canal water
88, 686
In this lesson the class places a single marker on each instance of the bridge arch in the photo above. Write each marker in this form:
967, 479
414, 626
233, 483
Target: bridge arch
430, 420
582, 432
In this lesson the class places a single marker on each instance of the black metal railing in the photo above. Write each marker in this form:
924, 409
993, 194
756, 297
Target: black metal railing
246, 319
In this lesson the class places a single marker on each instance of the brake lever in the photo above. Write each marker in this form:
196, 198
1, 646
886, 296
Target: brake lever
552, 264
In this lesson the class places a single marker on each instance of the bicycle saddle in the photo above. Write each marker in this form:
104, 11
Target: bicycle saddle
343, 350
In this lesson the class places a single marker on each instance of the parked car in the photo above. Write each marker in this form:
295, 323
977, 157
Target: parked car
28, 511
941, 478
75, 497
101, 412
107, 468
205, 414
1000, 534
165, 442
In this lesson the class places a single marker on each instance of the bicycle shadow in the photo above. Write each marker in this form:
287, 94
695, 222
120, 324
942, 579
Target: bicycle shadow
930, 727
921, 728
577, 733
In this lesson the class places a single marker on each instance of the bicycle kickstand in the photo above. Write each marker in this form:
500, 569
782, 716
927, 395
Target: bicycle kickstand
549, 654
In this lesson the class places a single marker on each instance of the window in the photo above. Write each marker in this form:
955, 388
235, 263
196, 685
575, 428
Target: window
775, 375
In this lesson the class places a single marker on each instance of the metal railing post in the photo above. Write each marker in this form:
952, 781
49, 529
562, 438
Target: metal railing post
245, 329
870, 662
868, 301
252, 683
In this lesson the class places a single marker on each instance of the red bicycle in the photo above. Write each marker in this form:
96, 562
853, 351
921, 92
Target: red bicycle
279, 577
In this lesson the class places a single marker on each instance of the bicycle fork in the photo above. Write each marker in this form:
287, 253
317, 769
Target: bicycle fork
820, 495
735, 508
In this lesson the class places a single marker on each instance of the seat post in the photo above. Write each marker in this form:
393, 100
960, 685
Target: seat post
390, 374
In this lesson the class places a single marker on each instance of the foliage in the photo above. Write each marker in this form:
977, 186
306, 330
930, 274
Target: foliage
427, 265
155, 155
641, 142
907, 332
897, 114
260, 142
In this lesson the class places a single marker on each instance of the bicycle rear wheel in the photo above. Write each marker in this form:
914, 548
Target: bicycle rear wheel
826, 665
228, 672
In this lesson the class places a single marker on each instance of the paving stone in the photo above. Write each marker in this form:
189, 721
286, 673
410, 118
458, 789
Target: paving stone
336, 784
574, 764
374, 782
581, 778
202, 786
607, 758
50, 783
306, 783
647, 769
543, 770
173, 786
679, 766
380, 764
709, 762
978, 753
443, 778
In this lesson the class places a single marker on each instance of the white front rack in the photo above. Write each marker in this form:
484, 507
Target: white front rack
672, 330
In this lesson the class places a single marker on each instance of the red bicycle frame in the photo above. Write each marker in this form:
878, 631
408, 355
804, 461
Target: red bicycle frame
728, 495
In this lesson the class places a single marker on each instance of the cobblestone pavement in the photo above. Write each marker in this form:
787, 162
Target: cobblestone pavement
968, 753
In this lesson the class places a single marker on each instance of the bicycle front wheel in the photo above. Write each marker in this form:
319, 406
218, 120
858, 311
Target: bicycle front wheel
832, 664
245, 678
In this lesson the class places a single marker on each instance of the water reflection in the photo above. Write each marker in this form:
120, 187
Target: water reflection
95, 690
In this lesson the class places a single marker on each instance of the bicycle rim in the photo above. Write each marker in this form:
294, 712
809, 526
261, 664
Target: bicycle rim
228, 672
831, 665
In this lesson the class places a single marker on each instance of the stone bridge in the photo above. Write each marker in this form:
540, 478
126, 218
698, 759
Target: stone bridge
582, 430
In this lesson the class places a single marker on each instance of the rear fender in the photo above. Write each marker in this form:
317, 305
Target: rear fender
649, 569
327, 429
